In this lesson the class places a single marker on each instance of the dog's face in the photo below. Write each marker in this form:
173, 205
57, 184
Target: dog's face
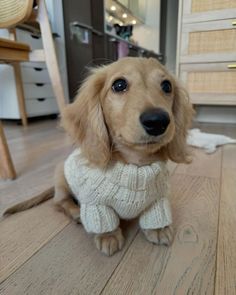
132, 103
137, 104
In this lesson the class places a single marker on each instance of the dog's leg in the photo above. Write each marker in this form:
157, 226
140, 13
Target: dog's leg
155, 223
160, 236
63, 196
104, 222
109, 243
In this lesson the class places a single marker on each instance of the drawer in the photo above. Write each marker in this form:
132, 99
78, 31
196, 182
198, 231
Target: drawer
208, 42
34, 41
34, 65
35, 75
38, 90
212, 83
41, 106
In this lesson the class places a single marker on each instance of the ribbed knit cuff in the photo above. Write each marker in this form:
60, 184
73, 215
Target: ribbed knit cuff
98, 219
156, 216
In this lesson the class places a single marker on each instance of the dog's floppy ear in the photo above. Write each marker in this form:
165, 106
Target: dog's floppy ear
84, 120
183, 113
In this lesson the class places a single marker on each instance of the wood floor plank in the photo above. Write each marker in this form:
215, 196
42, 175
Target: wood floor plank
208, 165
68, 264
226, 253
25, 233
36, 151
171, 167
188, 266
31, 183
40, 253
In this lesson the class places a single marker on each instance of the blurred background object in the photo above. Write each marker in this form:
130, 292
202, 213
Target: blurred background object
98, 32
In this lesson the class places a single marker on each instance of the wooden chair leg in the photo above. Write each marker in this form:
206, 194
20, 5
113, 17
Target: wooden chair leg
20, 93
7, 169
19, 83
50, 55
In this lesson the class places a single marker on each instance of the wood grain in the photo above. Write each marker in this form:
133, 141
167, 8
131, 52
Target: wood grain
13, 55
69, 264
11, 44
19, 243
188, 266
226, 258
203, 164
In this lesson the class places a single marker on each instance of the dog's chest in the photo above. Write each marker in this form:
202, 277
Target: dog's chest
128, 189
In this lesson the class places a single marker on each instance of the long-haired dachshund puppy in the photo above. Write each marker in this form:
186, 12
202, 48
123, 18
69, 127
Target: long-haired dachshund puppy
128, 119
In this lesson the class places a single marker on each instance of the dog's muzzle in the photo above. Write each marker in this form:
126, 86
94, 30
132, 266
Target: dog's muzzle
155, 121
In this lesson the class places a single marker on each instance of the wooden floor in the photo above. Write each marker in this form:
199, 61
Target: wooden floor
43, 252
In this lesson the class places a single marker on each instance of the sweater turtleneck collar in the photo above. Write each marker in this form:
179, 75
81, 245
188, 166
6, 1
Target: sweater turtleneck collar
129, 176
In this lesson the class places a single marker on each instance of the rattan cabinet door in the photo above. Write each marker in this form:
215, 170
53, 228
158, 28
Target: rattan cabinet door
210, 83
211, 5
206, 10
213, 41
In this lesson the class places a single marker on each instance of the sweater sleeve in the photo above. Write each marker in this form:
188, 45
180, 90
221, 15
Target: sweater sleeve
98, 218
158, 215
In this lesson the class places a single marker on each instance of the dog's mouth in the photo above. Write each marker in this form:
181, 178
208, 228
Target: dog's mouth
143, 143
146, 143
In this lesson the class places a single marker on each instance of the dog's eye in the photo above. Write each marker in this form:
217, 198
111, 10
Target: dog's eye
119, 85
166, 86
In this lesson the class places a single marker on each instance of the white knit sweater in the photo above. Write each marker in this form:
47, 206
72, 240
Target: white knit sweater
120, 190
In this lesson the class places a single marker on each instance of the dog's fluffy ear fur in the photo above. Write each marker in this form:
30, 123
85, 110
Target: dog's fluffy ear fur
183, 112
84, 120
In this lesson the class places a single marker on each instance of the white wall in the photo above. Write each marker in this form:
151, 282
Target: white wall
148, 35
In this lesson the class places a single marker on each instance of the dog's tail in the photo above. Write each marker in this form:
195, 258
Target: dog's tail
44, 196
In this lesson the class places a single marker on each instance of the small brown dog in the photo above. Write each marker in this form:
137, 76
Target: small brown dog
131, 113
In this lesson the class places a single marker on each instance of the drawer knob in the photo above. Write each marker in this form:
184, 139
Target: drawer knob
39, 84
38, 69
35, 36
41, 99
232, 66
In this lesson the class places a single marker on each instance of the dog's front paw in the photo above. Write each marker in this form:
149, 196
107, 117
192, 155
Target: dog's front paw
109, 243
75, 214
161, 236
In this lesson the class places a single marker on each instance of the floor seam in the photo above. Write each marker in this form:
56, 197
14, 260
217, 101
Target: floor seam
132, 241
218, 221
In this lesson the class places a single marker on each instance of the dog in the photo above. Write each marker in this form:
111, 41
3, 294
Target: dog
128, 119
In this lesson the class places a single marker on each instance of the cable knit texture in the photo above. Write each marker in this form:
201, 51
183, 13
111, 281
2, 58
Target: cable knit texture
120, 190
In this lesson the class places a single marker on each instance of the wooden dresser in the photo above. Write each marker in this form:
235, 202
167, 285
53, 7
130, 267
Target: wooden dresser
206, 58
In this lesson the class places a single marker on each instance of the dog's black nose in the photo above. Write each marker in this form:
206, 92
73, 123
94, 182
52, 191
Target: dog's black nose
155, 121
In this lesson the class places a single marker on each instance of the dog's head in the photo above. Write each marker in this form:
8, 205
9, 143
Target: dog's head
132, 103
